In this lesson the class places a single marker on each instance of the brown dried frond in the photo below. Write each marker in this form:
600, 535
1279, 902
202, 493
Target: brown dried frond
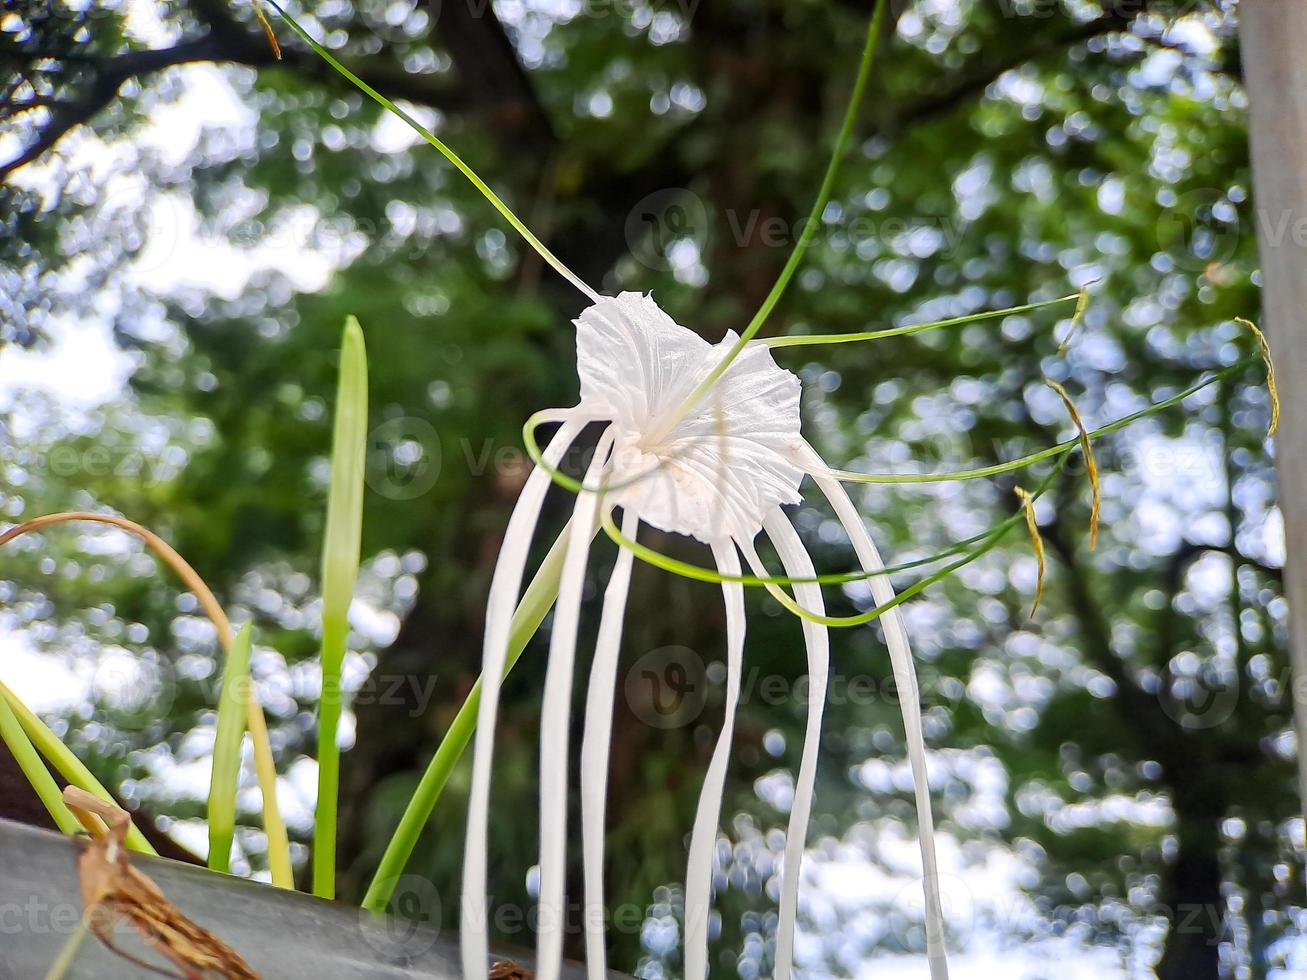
1091, 464
113, 890
1036, 542
508, 970
267, 28
1272, 390
1077, 318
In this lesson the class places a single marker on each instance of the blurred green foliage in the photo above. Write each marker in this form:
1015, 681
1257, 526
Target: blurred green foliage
1130, 747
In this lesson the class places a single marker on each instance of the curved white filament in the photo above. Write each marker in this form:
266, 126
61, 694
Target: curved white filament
703, 840
555, 721
505, 585
797, 564
905, 679
595, 744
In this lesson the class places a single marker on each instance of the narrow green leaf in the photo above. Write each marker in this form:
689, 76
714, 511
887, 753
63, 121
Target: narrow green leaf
530, 613
66, 763
340, 563
24, 752
233, 702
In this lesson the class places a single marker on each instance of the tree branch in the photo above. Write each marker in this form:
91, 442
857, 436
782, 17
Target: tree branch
108, 77
972, 81
230, 43
1139, 711
487, 64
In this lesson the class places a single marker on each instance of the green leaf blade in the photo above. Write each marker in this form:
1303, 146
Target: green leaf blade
66, 763
340, 563
38, 776
224, 783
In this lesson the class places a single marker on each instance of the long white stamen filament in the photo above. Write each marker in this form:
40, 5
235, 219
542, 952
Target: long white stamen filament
798, 565
555, 721
905, 679
703, 839
594, 748
505, 585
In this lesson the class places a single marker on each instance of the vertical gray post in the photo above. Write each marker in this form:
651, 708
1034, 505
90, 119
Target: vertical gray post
1273, 35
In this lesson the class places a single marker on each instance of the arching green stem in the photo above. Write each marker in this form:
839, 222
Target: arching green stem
809, 231
812, 340
496, 202
997, 469
861, 619
702, 573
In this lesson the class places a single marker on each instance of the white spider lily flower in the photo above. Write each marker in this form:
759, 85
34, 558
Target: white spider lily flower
712, 470
716, 462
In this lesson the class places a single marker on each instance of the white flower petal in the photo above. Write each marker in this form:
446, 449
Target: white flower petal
634, 361
905, 678
714, 472
703, 839
816, 639
505, 585
595, 745
555, 722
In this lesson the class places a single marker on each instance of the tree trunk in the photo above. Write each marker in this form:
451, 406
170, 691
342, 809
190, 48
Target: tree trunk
1274, 34
1192, 898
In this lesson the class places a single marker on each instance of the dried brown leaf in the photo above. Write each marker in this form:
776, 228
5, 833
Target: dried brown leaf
1091, 464
508, 970
1077, 318
267, 28
113, 891
1036, 542
1265, 349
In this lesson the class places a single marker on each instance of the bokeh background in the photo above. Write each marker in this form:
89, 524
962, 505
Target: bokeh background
186, 222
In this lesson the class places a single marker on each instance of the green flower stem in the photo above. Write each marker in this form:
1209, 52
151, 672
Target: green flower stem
448, 154
531, 611
988, 542
861, 619
68, 952
66, 763
808, 340
850, 476
702, 573
809, 231
25, 754
984, 541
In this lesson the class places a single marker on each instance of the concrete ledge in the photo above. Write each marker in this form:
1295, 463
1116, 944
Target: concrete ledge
281, 934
